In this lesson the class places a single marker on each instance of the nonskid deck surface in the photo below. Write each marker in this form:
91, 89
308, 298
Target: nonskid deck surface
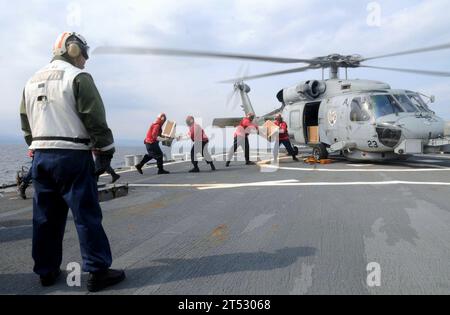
298, 229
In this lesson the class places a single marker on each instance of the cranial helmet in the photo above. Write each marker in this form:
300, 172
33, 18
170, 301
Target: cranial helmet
71, 44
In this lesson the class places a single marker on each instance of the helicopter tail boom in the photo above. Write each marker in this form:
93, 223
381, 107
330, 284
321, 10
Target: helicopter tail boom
243, 90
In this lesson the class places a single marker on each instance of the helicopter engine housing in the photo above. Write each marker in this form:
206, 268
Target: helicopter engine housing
311, 89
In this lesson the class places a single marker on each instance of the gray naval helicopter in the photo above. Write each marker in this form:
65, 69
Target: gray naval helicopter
362, 120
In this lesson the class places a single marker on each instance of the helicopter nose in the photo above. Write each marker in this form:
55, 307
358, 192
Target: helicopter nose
414, 127
388, 134
424, 127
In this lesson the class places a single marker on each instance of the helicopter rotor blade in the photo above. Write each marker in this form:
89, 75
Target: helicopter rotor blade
270, 74
410, 52
416, 71
230, 98
124, 50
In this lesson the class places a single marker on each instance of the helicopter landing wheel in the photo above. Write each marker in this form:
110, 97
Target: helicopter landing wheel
320, 152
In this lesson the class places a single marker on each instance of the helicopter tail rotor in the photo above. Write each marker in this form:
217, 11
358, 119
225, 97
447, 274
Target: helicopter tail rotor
238, 86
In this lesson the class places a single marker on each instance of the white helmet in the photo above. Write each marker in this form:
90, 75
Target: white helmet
71, 43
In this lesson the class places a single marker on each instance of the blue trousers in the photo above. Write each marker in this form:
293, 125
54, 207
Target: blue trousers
65, 179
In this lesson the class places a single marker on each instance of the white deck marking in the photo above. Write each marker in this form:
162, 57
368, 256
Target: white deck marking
310, 184
218, 186
132, 169
290, 183
359, 165
357, 169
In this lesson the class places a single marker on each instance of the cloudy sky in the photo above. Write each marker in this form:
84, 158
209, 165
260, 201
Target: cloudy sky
136, 88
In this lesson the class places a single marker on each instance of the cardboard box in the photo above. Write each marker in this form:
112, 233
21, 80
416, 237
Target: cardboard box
313, 134
269, 129
169, 129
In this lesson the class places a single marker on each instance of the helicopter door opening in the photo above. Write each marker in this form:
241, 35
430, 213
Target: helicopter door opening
311, 122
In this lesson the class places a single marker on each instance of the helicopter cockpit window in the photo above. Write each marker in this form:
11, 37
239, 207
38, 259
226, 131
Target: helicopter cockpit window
361, 110
419, 102
406, 103
385, 105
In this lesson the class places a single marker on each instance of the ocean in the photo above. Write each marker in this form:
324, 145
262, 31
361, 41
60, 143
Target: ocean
14, 156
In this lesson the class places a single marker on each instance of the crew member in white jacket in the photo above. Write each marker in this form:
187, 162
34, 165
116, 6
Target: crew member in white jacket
63, 120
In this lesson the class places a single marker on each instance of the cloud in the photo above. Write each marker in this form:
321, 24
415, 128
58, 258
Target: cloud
136, 88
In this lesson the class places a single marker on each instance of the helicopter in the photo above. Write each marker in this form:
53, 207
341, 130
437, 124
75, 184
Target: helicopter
363, 120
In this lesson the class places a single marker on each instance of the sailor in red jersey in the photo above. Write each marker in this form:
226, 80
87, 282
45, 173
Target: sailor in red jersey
200, 144
284, 137
241, 138
152, 145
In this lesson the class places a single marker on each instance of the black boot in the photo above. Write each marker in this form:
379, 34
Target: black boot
100, 280
50, 279
250, 163
228, 164
139, 169
195, 170
295, 158
213, 167
163, 172
115, 178
22, 191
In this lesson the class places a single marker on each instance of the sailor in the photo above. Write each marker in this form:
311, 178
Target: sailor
241, 134
200, 144
152, 145
63, 120
284, 137
26, 180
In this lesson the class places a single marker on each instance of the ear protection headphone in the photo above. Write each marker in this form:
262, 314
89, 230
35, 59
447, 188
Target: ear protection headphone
73, 50
71, 43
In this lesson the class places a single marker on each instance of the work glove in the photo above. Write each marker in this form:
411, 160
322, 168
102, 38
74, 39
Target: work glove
102, 163
162, 138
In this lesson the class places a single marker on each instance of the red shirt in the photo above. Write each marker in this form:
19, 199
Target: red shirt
245, 127
154, 132
197, 133
283, 132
